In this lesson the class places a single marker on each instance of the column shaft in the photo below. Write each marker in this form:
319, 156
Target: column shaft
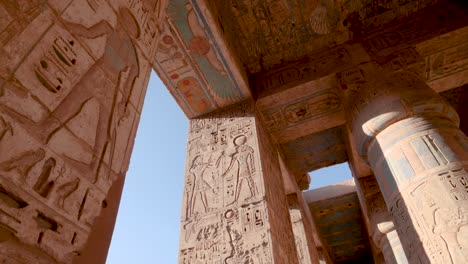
302, 229
234, 207
379, 221
410, 138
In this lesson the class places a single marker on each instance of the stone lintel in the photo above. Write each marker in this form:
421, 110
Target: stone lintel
330, 191
338, 217
390, 47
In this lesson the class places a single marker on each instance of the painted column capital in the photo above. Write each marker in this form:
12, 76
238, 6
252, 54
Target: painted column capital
385, 100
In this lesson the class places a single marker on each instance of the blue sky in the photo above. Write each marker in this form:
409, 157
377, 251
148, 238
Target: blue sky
147, 228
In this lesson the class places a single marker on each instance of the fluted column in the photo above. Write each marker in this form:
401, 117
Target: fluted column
410, 137
380, 223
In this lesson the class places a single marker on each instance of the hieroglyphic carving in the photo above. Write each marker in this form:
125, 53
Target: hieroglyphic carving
65, 190
227, 175
305, 109
230, 236
43, 184
54, 67
265, 34
441, 218
100, 136
351, 76
432, 209
400, 59
380, 223
37, 223
447, 62
224, 217
414, 158
299, 235
24, 162
316, 66
143, 22
65, 110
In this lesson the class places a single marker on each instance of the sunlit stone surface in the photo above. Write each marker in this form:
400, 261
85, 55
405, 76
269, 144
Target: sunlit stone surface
273, 90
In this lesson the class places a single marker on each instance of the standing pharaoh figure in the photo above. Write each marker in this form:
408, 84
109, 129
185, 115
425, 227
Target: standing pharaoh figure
119, 62
200, 186
243, 157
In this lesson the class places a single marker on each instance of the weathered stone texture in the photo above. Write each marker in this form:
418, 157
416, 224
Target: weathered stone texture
337, 215
379, 222
327, 82
73, 77
410, 138
234, 208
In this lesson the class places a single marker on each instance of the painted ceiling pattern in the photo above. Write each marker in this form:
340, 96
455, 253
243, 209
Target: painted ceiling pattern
267, 33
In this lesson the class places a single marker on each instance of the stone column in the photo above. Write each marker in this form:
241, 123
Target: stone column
304, 229
234, 206
410, 138
73, 75
305, 245
379, 221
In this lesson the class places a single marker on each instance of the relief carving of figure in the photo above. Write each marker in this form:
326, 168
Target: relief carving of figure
120, 63
448, 223
199, 186
244, 159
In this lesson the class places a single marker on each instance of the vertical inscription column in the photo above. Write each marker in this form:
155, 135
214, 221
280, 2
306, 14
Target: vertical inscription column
411, 140
381, 226
234, 207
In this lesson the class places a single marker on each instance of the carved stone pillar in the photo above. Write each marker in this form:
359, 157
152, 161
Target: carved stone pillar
410, 138
380, 223
234, 206
73, 74
305, 245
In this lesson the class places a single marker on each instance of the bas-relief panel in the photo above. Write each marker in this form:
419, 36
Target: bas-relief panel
267, 33
224, 213
68, 111
302, 110
424, 184
445, 56
45, 201
238, 235
440, 220
316, 65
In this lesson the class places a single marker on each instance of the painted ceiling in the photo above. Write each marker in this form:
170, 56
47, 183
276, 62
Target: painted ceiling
341, 228
267, 33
